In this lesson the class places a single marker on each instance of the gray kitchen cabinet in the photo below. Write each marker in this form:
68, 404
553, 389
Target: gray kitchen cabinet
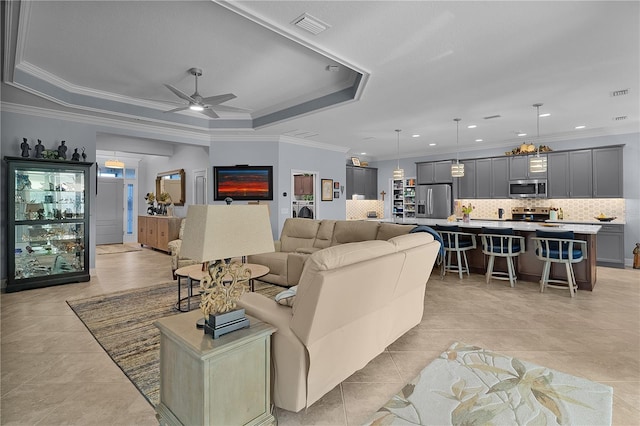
607, 172
569, 174
434, 172
610, 246
519, 168
467, 183
492, 177
362, 181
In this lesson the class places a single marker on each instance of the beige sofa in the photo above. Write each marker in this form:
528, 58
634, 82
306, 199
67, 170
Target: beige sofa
352, 301
301, 237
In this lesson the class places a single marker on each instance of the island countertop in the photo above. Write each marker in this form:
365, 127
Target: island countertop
516, 226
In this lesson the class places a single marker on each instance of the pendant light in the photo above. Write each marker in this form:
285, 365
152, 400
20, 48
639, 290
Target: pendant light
114, 163
538, 164
398, 173
457, 169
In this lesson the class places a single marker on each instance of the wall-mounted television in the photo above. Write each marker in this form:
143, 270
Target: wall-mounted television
243, 182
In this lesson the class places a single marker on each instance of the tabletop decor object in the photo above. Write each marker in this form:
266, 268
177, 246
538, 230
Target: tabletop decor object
213, 235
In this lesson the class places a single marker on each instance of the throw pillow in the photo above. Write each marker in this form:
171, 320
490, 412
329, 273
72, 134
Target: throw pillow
287, 297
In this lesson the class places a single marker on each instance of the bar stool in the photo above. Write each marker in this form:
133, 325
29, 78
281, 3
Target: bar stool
459, 242
559, 247
501, 242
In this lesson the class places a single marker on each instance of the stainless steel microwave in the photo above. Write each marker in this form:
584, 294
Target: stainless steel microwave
531, 188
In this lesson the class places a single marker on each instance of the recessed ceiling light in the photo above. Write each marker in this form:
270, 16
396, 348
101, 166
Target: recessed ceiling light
478, 140
580, 127
546, 114
363, 153
472, 126
415, 136
522, 134
432, 144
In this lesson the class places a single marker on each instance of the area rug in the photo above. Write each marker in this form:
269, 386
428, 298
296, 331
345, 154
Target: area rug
122, 323
468, 385
116, 248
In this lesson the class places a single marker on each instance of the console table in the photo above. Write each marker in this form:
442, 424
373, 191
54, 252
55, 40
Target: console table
203, 381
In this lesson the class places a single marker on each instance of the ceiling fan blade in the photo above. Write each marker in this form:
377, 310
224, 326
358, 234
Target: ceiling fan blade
228, 108
178, 109
180, 94
210, 113
218, 99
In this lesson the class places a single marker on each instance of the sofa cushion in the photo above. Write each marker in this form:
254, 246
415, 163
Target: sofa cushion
404, 242
325, 233
297, 233
353, 231
387, 231
338, 256
287, 297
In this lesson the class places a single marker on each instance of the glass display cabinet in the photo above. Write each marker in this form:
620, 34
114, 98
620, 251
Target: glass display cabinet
48, 222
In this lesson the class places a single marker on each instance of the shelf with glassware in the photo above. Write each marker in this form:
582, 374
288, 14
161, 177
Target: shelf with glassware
48, 223
397, 198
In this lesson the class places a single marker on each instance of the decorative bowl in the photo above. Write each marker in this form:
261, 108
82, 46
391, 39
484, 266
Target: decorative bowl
605, 219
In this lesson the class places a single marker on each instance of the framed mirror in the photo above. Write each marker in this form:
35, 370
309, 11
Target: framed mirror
173, 183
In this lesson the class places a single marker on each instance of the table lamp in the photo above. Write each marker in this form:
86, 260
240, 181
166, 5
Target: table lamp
213, 235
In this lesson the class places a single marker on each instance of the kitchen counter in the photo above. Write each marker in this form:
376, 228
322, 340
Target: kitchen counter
586, 222
590, 229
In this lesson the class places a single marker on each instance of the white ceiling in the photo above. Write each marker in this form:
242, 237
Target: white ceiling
410, 65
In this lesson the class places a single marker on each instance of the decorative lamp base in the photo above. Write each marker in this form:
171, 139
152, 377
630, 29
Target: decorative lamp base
221, 324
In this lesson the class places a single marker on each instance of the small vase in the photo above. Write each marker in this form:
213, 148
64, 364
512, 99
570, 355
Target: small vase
465, 217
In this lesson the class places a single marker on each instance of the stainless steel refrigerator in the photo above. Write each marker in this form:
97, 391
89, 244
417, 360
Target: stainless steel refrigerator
433, 201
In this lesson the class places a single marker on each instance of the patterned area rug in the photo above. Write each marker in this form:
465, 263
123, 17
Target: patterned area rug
117, 248
469, 385
122, 323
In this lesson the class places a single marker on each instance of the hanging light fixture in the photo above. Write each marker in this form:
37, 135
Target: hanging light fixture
115, 163
398, 173
538, 164
457, 169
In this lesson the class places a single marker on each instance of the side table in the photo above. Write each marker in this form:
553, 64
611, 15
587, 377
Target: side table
203, 381
187, 272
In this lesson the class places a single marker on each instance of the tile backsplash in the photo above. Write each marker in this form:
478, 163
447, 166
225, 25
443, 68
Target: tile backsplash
357, 209
580, 209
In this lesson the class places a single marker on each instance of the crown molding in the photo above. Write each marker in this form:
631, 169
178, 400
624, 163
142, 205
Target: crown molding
103, 121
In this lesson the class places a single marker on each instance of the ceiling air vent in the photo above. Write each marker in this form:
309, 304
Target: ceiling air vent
310, 23
492, 116
619, 93
620, 118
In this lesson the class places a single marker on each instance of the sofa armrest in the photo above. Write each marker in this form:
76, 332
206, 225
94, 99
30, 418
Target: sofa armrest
295, 265
288, 354
277, 245
307, 250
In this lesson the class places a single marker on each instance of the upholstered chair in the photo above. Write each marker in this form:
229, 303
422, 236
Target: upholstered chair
559, 247
501, 242
178, 261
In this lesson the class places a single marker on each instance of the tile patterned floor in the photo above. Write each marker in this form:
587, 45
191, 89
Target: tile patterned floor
54, 373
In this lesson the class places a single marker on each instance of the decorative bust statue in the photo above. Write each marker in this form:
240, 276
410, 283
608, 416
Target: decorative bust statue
62, 150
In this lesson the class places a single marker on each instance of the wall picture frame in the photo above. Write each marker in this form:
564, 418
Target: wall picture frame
336, 194
326, 189
355, 161
336, 184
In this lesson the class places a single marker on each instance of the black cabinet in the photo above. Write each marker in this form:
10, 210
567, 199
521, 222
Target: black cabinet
362, 181
48, 222
434, 172
519, 168
610, 246
607, 172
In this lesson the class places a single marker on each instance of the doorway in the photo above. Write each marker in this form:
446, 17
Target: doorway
303, 194
110, 211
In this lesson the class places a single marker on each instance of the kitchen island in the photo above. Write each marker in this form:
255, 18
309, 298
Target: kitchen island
528, 266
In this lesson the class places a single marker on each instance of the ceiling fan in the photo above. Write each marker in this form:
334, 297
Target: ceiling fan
206, 106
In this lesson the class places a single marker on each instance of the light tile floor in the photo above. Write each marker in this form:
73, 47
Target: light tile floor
54, 372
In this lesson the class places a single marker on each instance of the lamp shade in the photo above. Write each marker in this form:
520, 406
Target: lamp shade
215, 232
114, 164
538, 164
457, 170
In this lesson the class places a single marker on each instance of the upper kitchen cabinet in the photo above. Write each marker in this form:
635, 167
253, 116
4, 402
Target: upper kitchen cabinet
362, 181
607, 172
434, 172
519, 168
569, 174
467, 183
492, 177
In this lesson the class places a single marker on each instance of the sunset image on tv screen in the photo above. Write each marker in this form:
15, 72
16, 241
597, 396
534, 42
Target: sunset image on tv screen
243, 183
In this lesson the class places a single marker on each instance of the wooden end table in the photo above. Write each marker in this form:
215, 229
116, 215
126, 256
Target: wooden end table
206, 381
